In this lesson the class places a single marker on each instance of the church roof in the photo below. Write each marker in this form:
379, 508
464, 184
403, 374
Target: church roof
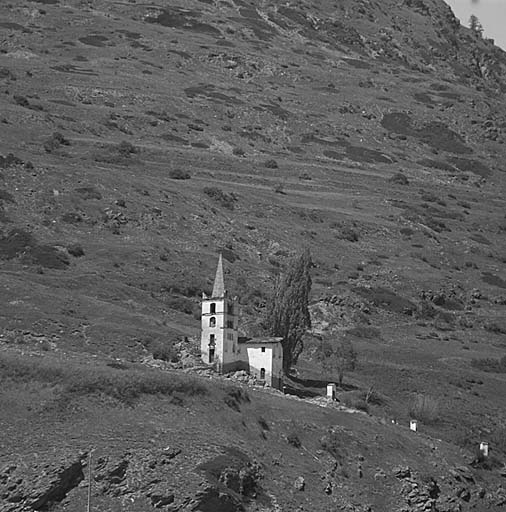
219, 282
260, 341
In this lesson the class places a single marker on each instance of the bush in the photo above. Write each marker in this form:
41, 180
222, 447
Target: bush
271, 164
355, 400
332, 443
165, 351
399, 178
226, 200
179, 174
75, 250
293, 439
125, 149
425, 409
55, 141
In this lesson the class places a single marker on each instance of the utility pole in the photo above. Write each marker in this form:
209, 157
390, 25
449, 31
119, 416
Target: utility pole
88, 509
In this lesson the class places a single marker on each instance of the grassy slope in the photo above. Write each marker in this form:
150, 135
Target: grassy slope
316, 102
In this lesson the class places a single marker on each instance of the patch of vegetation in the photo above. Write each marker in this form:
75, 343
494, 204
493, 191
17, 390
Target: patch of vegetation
10, 161
271, 164
54, 142
293, 439
355, 400
365, 331
345, 231
47, 256
425, 409
72, 218
493, 279
222, 198
235, 396
88, 193
334, 444
117, 154
179, 174
74, 379
75, 250
490, 364
399, 178
165, 351
386, 299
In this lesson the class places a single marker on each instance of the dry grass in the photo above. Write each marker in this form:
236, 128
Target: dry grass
124, 384
425, 409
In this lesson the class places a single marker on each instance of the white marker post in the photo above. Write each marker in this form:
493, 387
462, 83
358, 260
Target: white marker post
413, 425
484, 449
331, 391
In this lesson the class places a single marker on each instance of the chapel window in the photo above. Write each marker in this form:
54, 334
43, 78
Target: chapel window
212, 322
213, 308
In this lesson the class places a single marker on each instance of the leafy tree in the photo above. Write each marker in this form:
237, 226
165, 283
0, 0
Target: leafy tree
337, 357
475, 25
288, 313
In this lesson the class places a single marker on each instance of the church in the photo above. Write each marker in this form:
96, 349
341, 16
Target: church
221, 345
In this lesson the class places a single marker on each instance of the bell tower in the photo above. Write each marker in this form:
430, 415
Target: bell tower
218, 344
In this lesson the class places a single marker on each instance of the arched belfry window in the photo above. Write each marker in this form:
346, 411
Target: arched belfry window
213, 308
262, 373
212, 322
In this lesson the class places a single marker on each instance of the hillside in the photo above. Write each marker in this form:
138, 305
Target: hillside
138, 141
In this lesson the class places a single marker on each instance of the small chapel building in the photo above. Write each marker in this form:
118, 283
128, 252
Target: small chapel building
221, 345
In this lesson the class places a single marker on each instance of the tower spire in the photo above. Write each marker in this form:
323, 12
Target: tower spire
219, 283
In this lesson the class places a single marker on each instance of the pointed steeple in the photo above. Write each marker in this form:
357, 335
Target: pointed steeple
219, 283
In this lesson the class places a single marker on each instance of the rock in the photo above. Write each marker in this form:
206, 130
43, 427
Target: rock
299, 483
401, 472
161, 498
38, 486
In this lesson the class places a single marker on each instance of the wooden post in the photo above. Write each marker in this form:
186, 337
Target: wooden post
89, 481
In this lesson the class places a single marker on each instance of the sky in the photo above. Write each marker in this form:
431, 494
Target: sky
491, 13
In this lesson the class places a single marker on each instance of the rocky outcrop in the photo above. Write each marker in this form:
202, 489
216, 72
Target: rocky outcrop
37, 487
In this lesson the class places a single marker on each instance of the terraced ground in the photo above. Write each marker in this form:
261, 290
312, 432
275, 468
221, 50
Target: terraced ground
137, 141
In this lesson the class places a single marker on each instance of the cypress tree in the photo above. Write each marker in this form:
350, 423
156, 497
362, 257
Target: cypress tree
288, 313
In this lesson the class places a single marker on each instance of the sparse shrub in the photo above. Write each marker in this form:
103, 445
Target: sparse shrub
305, 176
271, 164
21, 101
226, 200
333, 444
425, 310
293, 439
179, 174
399, 178
345, 232
263, 424
355, 400
126, 149
9, 161
238, 152
165, 351
88, 193
365, 331
234, 397
72, 218
55, 141
424, 408
75, 250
